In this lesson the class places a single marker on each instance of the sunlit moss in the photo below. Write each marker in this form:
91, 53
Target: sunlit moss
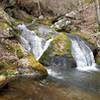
45, 21
36, 65
14, 48
3, 25
85, 37
61, 45
7, 64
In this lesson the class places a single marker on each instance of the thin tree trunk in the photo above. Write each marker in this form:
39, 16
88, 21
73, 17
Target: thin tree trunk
39, 8
97, 6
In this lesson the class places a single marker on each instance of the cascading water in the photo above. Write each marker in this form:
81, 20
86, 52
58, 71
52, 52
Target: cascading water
82, 54
33, 43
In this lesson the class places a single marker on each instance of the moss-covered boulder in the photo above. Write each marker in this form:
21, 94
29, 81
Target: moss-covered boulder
28, 66
59, 52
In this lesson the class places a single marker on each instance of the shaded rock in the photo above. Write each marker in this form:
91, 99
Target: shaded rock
19, 14
34, 7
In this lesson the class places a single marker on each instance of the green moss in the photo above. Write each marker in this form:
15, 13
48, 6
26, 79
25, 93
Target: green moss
3, 25
9, 73
19, 52
10, 48
45, 21
18, 21
7, 68
85, 37
36, 65
29, 19
45, 54
88, 1
98, 60
14, 48
61, 45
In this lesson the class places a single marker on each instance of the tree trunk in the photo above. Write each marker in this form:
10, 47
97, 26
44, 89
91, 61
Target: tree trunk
97, 5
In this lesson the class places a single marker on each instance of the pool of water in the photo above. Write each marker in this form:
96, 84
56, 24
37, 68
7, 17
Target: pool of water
72, 85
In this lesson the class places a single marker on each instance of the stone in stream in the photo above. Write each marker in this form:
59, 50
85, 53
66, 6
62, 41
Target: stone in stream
58, 53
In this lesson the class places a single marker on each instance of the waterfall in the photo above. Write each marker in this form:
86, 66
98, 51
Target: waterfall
33, 43
82, 54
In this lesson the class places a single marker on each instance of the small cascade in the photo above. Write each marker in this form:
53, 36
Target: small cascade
82, 54
33, 43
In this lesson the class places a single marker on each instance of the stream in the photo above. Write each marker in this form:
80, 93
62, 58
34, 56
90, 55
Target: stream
81, 83
74, 85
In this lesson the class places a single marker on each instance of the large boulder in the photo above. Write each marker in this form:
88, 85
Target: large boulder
59, 52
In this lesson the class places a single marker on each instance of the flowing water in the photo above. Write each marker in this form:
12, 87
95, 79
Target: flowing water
82, 54
62, 83
33, 43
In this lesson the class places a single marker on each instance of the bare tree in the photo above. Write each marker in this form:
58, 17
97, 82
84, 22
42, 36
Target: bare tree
97, 6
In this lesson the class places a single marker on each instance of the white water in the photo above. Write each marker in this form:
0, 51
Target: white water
55, 74
83, 55
33, 43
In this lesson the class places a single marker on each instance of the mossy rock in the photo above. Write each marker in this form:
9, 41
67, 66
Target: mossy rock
8, 71
36, 65
45, 21
5, 30
85, 36
98, 58
30, 62
4, 25
59, 52
27, 65
13, 47
61, 45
